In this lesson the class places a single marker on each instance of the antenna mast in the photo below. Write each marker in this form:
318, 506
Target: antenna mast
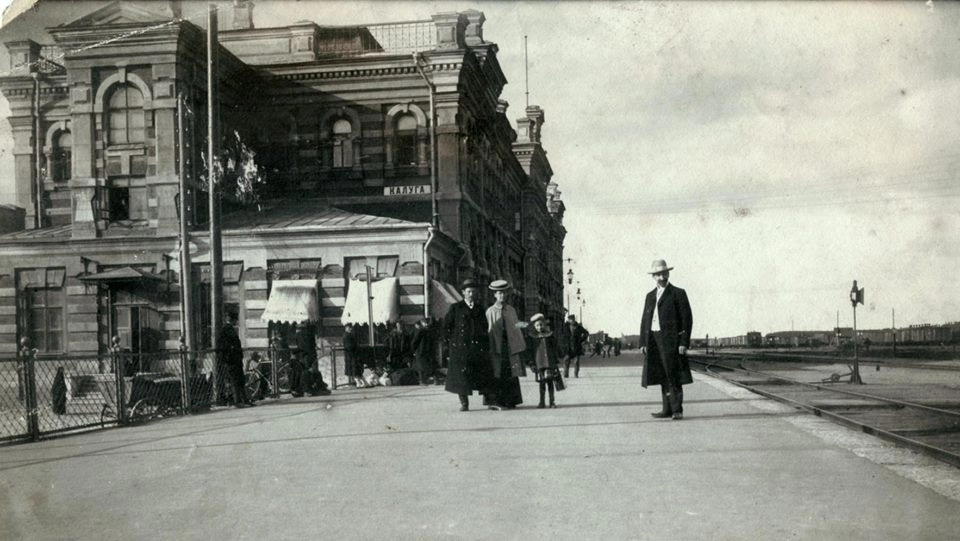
526, 72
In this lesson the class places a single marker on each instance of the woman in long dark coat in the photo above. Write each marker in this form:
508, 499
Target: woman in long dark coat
423, 350
506, 346
465, 329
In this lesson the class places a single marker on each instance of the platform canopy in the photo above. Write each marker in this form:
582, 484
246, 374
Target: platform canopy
292, 301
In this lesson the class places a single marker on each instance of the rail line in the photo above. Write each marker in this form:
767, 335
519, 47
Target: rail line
821, 358
924, 418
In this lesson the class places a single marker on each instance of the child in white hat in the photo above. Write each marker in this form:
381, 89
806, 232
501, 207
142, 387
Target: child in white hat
542, 348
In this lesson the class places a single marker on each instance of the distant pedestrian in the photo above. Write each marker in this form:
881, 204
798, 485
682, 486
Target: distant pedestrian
352, 366
572, 337
664, 338
230, 361
465, 330
423, 345
506, 348
58, 392
543, 357
398, 348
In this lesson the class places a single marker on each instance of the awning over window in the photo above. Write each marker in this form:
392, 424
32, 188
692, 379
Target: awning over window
123, 274
386, 302
292, 301
442, 296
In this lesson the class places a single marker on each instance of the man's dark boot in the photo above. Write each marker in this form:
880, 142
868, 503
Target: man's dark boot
543, 390
464, 402
552, 403
665, 410
576, 368
566, 368
678, 404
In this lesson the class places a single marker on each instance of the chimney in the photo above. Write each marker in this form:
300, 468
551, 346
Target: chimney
535, 119
450, 30
23, 56
474, 31
242, 15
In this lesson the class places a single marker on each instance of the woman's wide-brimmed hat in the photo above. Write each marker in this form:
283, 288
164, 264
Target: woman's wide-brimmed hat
469, 282
659, 266
537, 317
499, 285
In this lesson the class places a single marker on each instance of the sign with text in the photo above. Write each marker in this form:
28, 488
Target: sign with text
407, 190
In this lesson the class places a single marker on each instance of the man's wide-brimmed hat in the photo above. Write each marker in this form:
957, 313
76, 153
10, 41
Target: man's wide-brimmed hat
659, 266
469, 282
572, 317
499, 285
537, 317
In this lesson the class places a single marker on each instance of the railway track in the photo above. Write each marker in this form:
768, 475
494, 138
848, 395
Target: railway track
821, 358
925, 417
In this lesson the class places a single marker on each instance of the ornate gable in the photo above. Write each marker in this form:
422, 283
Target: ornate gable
118, 13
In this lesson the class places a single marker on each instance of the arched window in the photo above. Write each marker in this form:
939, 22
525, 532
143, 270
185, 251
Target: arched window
405, 138
342, 143
60, 167
125, 116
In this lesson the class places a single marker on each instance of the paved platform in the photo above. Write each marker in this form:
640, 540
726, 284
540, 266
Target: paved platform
403, 463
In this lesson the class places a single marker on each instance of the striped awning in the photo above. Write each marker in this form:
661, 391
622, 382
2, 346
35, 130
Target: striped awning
292, 301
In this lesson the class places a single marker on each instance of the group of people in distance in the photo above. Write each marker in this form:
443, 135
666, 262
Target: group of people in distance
490, 349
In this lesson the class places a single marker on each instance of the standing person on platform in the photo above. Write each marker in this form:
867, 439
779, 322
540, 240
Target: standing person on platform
230, 361
664, 338
506, 346
350, 364
465, 330
423, 350
398, 348
542, 353
572, 337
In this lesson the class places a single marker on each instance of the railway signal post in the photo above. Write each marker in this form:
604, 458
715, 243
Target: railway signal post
856, 297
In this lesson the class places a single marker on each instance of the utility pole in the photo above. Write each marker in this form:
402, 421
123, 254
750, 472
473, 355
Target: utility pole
186, 276
369, 303
213, 180
893, 327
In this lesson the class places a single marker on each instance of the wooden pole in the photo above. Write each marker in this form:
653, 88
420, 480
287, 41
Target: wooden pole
213, 174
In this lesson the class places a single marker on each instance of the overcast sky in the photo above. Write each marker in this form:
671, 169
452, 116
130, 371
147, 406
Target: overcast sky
772, 152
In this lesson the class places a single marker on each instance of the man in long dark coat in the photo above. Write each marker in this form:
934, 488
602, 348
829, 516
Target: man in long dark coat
465, 330
572, 337
423, 350
664, 339
230, 361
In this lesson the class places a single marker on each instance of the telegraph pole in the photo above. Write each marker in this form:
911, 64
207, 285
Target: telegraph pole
186, 277
213, 181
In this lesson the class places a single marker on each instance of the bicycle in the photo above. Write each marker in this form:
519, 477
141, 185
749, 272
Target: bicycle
257, 383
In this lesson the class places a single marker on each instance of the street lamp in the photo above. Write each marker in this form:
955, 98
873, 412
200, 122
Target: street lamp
569, 282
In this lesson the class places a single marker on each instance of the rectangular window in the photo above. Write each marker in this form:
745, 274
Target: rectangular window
406, 149
380, 267
343, 153
119, 203
45, 309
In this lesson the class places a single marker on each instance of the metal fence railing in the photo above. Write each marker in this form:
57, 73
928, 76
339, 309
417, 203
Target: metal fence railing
42, 396
45, 396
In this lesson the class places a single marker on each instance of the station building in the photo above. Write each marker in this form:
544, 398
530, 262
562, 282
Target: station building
344, 148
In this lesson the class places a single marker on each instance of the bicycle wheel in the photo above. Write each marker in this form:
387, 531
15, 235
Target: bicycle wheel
143, 410
253, 385
283, 379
